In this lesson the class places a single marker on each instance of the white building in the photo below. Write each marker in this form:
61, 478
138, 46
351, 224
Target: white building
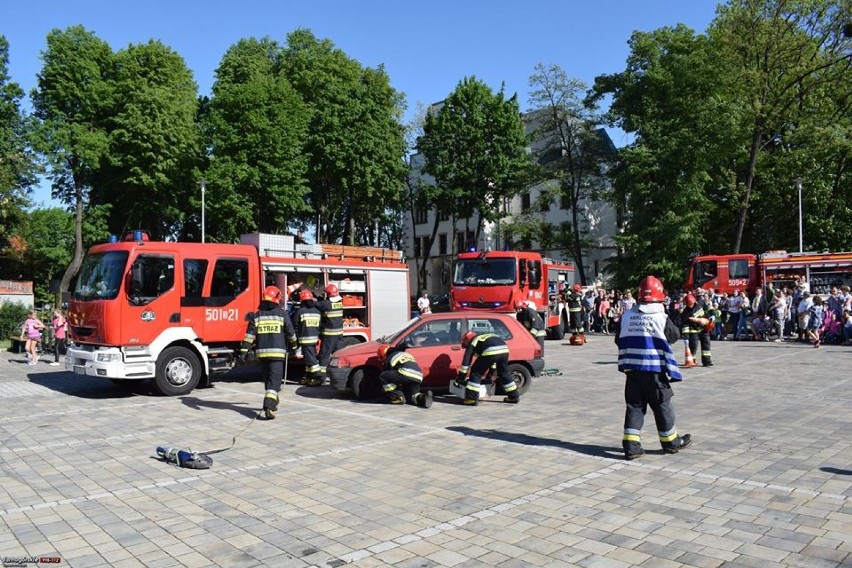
597, 222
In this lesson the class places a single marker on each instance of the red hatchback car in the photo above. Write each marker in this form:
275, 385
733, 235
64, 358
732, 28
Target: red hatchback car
435, 342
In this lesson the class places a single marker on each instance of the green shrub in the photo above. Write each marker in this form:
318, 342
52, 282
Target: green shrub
11, 318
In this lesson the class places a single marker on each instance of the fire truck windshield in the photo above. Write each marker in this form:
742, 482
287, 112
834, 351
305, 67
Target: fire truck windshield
485, 272
100, 276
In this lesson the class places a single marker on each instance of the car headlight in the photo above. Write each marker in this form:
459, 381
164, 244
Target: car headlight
334, 362
108, 357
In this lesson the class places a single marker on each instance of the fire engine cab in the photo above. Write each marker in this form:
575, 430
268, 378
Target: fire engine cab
728, 272
174, 312
494, 280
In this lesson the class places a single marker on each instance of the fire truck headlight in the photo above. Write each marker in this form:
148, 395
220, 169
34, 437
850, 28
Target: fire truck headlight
108, 357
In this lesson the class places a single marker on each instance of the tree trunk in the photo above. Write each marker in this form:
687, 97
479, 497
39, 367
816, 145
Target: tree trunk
752, 166
77, 260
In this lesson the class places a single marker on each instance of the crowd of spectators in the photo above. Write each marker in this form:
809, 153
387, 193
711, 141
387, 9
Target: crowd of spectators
788, 312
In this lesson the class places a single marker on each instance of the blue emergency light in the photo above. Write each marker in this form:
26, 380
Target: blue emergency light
113, 239
137, 235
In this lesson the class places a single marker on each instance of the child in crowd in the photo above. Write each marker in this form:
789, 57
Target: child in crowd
816, 315
759, 327
31, 331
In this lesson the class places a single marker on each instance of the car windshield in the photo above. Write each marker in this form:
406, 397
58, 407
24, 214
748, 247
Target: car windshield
100, 276
395, 335
485, 272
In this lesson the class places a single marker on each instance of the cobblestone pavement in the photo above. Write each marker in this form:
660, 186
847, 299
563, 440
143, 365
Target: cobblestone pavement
767, 481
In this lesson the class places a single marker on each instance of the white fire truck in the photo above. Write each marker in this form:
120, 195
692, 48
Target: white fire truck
174, 312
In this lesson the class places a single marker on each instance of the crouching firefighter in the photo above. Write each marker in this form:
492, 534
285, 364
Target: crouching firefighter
271, 329
489, 351
531, 320
645, 356
402, 377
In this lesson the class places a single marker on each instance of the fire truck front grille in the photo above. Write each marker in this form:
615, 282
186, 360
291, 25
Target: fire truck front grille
484, 305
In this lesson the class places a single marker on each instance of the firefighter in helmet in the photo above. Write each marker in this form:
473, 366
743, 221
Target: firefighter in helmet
402, 377
575, 315
307, 320
645, 356
695, 325
331, 325
490, 352
531, 320
271, 329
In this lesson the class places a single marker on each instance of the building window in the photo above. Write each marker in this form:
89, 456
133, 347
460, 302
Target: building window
525, 202
443, 215
526, 243
417, 247
420, 215
459, 242
565, 202
442, 243
425, 246
545, 203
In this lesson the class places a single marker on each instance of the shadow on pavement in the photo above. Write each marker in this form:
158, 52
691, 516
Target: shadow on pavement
90, 387
836, 470
201, 403
527, 440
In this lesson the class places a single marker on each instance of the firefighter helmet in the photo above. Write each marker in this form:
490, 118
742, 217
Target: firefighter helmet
382, 352
272, 294
331, 290
306, 294
577, 287
467, 338
520, 304
650, 290
690, 300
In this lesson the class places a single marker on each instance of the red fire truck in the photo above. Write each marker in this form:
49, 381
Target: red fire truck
174, 312
728, 272
494, 280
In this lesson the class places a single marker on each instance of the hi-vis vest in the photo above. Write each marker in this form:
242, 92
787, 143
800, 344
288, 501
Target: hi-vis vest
642, 343
404, 364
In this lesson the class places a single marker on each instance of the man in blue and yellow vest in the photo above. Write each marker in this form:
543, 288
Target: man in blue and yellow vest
645, 356
402, 377
490, 352
271, 329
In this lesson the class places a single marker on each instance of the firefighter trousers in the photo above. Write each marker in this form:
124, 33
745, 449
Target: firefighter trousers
480, 367
703, 339
328, 346
396, 385
273, 374
641, 390
309, 352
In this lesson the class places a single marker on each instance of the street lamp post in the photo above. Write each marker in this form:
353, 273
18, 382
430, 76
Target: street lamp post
799, 187
203, 184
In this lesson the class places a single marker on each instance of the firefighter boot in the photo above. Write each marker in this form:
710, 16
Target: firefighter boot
315, 381
423, 399
513, 398
685, 442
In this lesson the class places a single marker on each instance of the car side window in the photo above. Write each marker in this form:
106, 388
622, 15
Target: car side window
489, 325
442, 332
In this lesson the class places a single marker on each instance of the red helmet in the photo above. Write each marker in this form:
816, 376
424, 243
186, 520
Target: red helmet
650, 290
577, 287
520, 304
690, 300
467, 338
306, 295
332, 290
272, 294
382, 352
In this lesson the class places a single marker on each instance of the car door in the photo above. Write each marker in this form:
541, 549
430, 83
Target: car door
435, 345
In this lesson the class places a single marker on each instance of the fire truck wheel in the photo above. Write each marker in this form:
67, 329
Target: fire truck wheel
178, 372
522, 376
366, 385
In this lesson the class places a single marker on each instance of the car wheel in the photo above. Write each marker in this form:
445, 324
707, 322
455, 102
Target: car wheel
522, 377
178, 372
366, 385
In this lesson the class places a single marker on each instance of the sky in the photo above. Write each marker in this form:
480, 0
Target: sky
426, 48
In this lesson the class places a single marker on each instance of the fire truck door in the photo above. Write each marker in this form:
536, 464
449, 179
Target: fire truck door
153, 302
217, 298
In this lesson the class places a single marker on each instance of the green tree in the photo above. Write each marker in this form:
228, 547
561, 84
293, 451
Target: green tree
355, 142
571, 152
257, 128
69, 101
49, 234
475, 147
18, 166
154, 141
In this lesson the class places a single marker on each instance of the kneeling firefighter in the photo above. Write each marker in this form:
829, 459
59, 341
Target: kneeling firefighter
490, 351
270, 327
402, 378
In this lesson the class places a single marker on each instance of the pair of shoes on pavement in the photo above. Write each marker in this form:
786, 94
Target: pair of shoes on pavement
685, 442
